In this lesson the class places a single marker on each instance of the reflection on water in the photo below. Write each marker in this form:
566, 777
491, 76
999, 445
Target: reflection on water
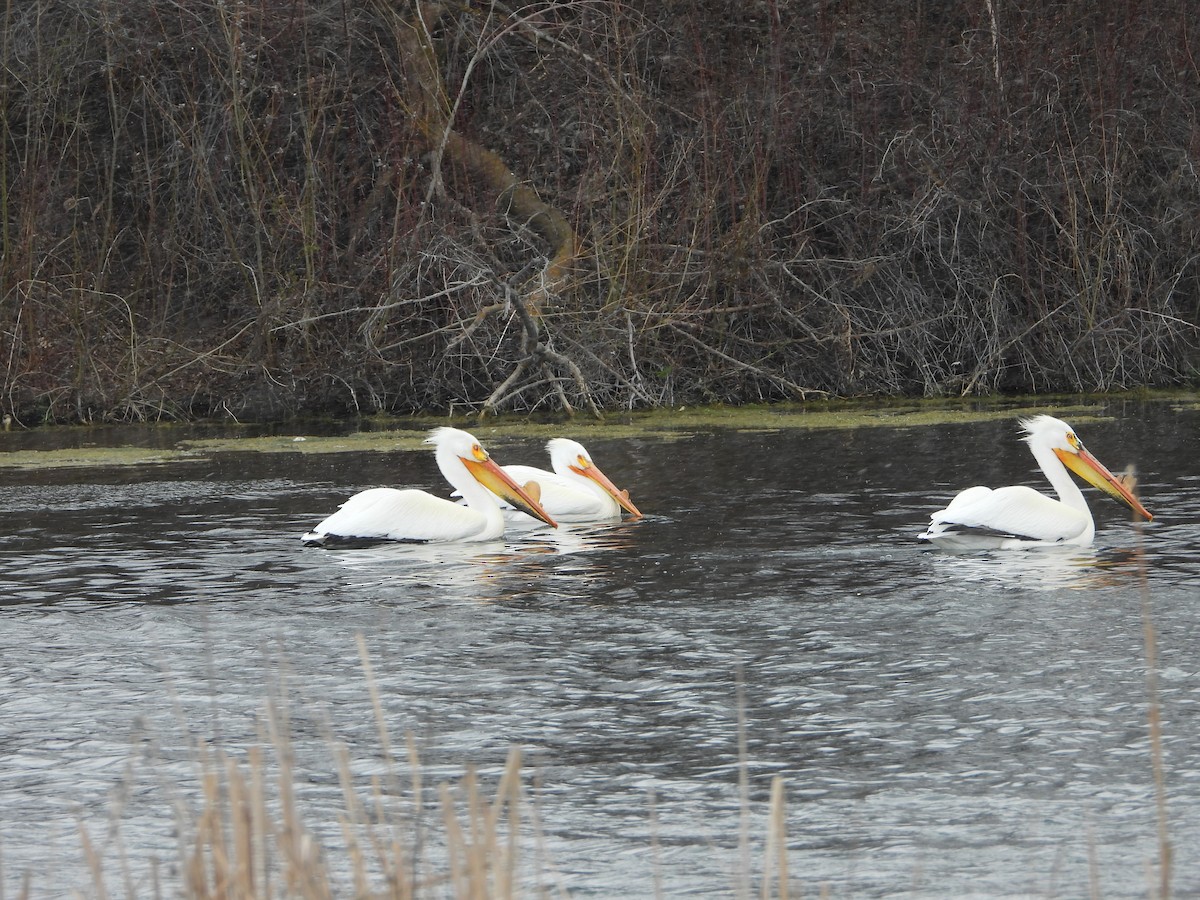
502, 571
946, 724
1046, 569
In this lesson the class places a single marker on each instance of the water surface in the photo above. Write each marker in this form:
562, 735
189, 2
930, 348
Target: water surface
946, 725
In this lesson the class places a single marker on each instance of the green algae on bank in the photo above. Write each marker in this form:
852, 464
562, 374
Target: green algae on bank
387, 434
75, 457
657, 424
662, 425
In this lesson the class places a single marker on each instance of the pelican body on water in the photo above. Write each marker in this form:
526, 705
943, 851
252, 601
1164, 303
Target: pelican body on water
576, 491
388, 514
1018, 517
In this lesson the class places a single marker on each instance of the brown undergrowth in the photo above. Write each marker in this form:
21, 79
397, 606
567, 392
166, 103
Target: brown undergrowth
255, 208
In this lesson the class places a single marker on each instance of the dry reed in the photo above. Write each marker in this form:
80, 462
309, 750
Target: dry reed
244, 832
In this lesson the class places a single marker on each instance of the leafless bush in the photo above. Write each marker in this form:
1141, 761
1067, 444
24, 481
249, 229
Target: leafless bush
244, 207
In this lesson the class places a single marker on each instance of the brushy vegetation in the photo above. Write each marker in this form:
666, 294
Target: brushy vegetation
259, 207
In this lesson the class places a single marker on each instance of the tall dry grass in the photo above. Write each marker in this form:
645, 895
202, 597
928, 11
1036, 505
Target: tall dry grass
242, 830
228, 208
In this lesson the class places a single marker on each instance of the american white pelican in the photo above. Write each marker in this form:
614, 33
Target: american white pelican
1018, 516
410, 515
576, 490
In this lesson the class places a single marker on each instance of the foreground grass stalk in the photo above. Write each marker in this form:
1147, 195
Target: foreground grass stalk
248, 837
1157, 761
743, 879
775, 857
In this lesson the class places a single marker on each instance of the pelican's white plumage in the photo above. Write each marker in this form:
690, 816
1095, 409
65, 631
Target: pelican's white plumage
388, 514
1018, 517
576, 491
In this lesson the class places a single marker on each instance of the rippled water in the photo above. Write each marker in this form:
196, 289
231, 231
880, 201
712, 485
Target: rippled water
946, 725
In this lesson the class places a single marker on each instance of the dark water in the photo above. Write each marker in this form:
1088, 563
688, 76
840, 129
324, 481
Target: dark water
946, 726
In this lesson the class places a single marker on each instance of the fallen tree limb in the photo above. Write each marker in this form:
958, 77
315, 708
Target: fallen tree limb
433, 114
538, 355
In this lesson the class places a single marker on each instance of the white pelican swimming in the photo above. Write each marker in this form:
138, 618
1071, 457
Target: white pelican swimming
576, 490
410, 515
1018, 516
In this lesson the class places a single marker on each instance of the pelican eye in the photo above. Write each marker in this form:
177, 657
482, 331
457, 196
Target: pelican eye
479, 453
1075, 443
583, 462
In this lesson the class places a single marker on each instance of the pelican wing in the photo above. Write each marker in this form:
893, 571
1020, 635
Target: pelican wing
399, 515
1017, 511
526, 474
560, 497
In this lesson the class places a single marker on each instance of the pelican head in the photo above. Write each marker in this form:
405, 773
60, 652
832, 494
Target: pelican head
458, 450
567, 455
1049, 433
